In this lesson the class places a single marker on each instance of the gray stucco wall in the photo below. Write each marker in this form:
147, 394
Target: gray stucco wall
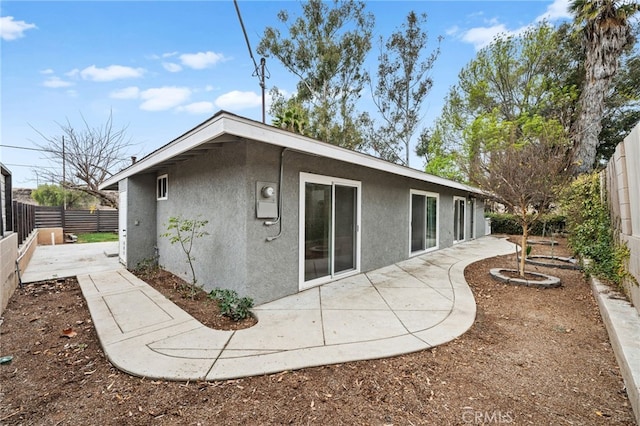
220, 186
141, 219
212, 187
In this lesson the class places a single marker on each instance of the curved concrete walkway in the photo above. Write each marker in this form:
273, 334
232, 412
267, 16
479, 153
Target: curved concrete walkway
410, 306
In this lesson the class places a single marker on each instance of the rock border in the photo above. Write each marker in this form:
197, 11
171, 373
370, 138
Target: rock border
549, 281
544, 242
569, 262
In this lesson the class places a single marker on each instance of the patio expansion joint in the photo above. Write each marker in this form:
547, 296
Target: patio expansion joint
213, 363
453, 299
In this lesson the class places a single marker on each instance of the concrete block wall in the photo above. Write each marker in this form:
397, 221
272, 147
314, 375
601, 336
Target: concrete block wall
8, 276
623, 185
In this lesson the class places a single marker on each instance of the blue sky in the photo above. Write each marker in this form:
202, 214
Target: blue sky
163, 67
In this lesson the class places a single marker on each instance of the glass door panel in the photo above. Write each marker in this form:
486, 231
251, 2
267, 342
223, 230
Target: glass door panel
417, 222
432, 225
345, 228
458, 215
317, 230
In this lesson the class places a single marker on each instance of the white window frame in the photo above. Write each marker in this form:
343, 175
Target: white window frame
425, 194
326, 180
159, 195
464, 220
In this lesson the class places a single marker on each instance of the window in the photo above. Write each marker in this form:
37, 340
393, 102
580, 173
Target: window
424, 221
459, 219
329, 228
161, 187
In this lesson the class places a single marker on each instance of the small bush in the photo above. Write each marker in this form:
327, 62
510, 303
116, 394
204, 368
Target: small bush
591, 232
231, 305
504, 223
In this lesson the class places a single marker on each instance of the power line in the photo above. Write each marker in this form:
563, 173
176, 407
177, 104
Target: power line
260, 71
27, 148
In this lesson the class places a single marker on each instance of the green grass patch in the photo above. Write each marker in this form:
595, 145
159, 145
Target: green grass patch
97, 237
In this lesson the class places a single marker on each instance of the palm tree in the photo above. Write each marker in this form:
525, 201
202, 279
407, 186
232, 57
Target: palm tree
606, 34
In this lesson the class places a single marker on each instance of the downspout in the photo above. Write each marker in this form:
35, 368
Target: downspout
280, 197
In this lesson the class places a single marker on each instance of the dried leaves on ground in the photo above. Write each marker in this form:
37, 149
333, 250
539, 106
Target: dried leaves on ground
539, 357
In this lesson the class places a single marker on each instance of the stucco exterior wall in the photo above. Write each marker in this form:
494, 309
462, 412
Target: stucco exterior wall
212, 187
219, 185
141, 218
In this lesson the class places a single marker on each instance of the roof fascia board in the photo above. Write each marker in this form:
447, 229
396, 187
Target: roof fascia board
205, 132
274, 136
225, 123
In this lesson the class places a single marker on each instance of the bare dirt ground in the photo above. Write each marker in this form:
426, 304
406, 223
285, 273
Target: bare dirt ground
539, 357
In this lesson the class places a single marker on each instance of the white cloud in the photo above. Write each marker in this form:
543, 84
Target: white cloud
201, 60
171, 67
238, 100
198, 108
163, 98
483, 36
110, 73
452, 30
209, 88
48, 71
11, 29
127, 93
56, 82
72, 93
73, 73
557, 10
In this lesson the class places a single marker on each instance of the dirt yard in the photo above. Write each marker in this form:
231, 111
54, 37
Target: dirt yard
539, 357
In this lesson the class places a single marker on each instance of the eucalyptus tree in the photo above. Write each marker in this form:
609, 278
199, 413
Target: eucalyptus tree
606, 34
403, 82
325, 49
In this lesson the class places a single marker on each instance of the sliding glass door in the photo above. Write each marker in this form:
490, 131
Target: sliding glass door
424, 221
329, 228
459, 219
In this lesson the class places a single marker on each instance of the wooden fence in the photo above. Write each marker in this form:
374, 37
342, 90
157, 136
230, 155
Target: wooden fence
27, 217
77, 221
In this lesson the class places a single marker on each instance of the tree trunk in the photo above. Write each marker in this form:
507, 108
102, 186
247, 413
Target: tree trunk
523, 245
605, 43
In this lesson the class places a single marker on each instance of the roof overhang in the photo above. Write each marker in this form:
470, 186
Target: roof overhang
225, 127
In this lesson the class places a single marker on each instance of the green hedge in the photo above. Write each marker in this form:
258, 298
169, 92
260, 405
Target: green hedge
503, 223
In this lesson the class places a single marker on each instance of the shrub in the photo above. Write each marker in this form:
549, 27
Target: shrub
591, 232
505, 223
231, 305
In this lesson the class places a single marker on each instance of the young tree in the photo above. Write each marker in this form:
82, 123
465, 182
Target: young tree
403, 82
526, 170
325, 49
606, 33
86, 157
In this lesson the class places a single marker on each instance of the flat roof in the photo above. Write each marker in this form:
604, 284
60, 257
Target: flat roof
225, 127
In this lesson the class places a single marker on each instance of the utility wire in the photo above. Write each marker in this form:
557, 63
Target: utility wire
259, 71
29, 149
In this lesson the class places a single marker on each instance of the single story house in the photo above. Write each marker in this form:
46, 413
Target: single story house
285, 212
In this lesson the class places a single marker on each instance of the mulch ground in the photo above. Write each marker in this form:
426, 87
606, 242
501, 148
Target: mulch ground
539, 357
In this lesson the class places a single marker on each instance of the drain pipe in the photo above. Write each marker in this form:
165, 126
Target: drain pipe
280, 197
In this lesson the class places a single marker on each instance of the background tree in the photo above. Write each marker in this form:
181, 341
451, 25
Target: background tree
513, 78
55, 196
496, 86
403, 82
325, 48
606, 33
89, 156
526, 170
